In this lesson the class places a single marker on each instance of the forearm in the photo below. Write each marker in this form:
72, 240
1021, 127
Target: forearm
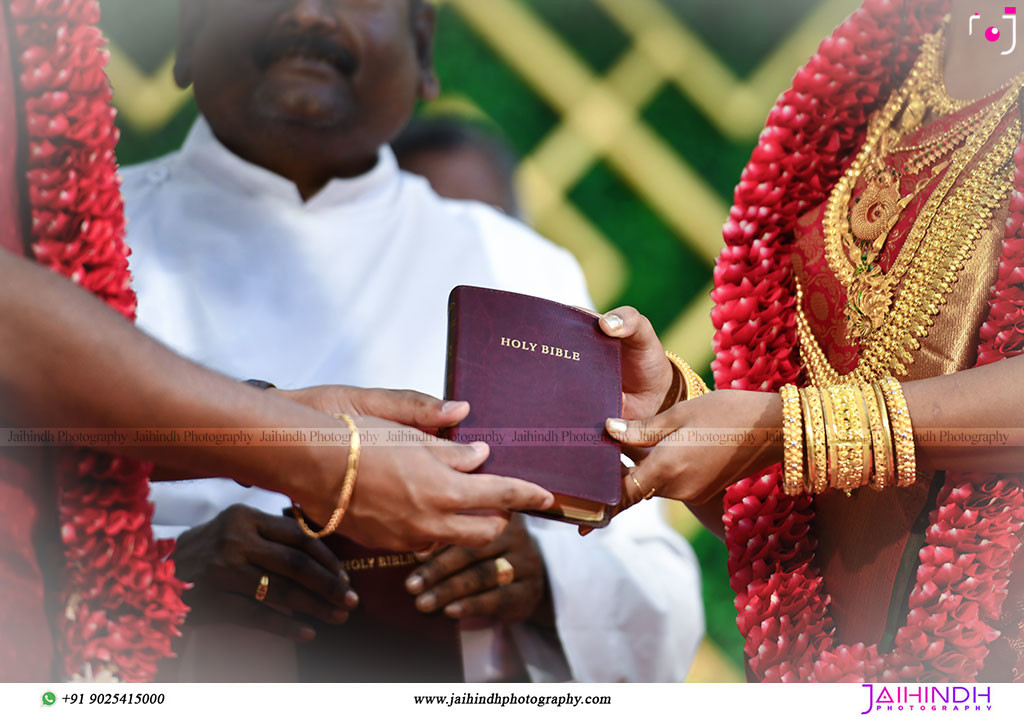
69, 361
987, 397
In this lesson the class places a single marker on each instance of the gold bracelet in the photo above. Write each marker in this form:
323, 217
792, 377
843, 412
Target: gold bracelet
902, 432
851, 442
832, 447
888, 478
866, 455
817, 451
877, 430
347, 486
792, 441
694, 384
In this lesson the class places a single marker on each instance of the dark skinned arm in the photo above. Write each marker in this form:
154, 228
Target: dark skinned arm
70, 361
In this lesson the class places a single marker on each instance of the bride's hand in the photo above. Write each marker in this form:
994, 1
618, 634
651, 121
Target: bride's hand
701, 446
647, 375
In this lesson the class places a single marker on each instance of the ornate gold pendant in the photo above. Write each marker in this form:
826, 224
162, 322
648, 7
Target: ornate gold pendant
868, 301
878, 209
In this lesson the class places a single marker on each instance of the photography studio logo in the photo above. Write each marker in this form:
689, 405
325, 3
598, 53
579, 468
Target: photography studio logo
928, 698
994, 34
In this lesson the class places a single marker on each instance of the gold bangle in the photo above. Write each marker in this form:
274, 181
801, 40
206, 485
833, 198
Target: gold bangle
902, 432
889, 466
867, 463
792, 441
831, 444
694, 384
817, 451
876, 428
849, 438
347, 486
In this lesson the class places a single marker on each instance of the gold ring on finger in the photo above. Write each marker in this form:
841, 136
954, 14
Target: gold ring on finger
649, 494
261, 589
506, 573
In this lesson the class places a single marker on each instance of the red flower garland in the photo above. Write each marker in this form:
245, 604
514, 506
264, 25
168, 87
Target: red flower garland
965, 566
123, 603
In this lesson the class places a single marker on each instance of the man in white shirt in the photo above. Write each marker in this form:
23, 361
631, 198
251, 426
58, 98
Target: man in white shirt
282, 242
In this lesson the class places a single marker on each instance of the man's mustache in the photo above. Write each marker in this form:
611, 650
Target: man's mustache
312, 45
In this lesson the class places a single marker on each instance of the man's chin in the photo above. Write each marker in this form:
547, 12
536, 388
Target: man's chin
310, 110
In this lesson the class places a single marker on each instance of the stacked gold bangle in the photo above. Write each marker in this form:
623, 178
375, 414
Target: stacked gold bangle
817, 451
902, 432
792, 441
347, 487
848, 436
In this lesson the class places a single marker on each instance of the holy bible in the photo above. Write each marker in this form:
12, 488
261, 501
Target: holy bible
541, 379
386, 639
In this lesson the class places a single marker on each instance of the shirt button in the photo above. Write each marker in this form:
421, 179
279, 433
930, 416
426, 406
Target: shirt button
158, 174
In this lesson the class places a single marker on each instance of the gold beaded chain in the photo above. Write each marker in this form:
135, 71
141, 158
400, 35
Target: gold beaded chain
945, 137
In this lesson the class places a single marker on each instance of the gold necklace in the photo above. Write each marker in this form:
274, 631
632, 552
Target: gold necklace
935, 93
950, 234
852, 251
929, 152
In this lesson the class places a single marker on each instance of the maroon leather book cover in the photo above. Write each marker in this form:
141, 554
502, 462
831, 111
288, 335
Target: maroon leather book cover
541, 378
386, 639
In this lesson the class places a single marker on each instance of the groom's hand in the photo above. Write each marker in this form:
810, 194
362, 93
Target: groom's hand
410, 408
649, 383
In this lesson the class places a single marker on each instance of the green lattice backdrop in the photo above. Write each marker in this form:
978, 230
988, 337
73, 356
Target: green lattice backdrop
634, 118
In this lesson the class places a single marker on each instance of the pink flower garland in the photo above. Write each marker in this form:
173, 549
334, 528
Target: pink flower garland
966, 564
123, 603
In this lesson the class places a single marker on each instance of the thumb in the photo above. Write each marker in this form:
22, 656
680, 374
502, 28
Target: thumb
632, 327
410, 408
644, 433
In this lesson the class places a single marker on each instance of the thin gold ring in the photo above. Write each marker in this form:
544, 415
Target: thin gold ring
261, 590
649, 494
506, 572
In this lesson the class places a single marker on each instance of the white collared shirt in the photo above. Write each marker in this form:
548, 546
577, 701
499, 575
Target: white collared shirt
235, 271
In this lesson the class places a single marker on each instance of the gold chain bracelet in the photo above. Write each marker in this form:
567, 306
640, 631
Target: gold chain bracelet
347, 486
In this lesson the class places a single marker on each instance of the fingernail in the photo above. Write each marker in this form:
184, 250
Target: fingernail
426, 602
453, 610
613, 322
480, 447
616, 425
306, 633
452, 406
351, 599
339, 616
414, 584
